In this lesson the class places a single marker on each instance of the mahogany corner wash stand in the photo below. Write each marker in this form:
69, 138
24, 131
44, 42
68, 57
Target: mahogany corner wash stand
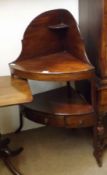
12, 91
52, 50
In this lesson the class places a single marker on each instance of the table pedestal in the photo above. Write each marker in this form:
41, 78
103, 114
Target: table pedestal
12, 91
6, 153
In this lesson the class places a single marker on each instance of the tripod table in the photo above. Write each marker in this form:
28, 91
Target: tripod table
12, 91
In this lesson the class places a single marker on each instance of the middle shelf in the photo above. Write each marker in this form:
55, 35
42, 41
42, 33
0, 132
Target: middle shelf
59, 107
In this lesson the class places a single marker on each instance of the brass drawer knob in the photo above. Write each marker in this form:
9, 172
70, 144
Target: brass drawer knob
81, 123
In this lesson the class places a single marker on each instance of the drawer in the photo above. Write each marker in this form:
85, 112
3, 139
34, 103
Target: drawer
80, 121
42, 118
61, 121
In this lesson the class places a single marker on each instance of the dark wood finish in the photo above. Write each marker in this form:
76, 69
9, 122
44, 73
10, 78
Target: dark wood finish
93, 27
12, 91
93, 31
52, 49
56, 67
55, 108
6, 153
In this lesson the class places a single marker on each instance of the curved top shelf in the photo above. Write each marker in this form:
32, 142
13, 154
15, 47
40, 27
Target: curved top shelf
47, 55
54, 67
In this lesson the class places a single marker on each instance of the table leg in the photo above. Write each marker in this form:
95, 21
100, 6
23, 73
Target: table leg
6, 153
21, 119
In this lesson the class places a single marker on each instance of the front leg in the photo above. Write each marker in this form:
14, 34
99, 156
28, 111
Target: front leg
99, 131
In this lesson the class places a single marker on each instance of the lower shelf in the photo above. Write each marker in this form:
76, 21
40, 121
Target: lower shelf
60, 108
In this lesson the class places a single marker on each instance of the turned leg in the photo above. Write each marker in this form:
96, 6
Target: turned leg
98, 130
99, 141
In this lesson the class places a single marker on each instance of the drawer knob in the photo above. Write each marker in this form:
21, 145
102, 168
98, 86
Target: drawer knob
81, 123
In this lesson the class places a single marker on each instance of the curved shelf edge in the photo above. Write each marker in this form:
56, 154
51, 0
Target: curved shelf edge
59, 110
59, 26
